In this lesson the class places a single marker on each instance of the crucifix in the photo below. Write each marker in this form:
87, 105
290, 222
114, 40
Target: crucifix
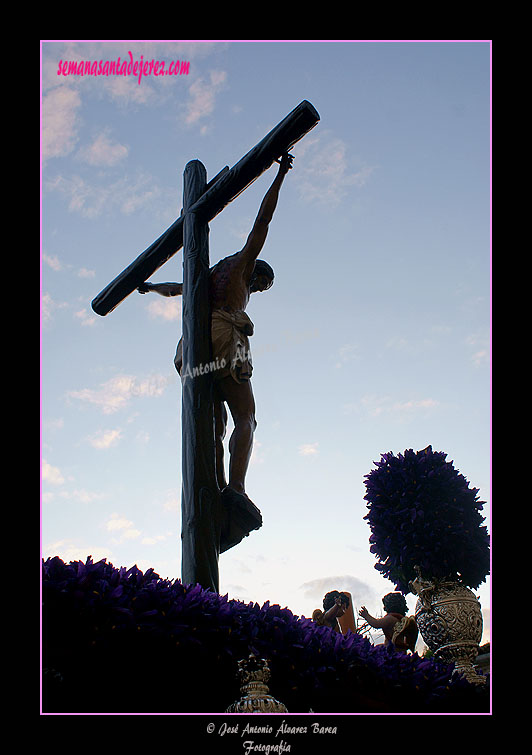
214, 517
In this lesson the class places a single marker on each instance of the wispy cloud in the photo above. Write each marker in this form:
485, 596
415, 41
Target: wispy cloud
308, 449
115, 394
84, 496
68, 550
48, 308
480, 343
376, 406
51, 474
103, 152
122, 528
84, 273
60, 122
346, 354
85, 317
480, 357
257, 454
52, 261
78, 495
125, 90
165, 309
325, 172
400, 407
360, 591
153, 540
105, 439
91, 200
203, 93
172, 503
57, 265
63, 97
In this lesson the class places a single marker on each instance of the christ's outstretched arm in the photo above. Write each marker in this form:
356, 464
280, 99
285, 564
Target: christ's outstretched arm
164, 289
257, 236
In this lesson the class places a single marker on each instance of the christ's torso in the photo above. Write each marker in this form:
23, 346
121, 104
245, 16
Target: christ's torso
228, 286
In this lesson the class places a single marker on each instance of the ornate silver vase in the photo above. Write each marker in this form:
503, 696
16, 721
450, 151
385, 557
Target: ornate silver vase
450, 621
254, 675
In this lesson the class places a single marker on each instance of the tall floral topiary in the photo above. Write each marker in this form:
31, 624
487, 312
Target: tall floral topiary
423, 513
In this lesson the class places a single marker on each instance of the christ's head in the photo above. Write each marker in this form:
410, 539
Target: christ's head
262, 278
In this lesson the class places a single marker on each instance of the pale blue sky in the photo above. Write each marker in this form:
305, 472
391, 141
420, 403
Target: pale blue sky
374, 338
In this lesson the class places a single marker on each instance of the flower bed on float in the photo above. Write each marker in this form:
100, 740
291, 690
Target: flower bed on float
119, 640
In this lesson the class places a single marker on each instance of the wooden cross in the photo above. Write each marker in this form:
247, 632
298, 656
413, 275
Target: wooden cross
201, 506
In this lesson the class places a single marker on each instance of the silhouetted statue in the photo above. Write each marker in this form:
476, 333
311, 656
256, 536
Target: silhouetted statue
398, 628
214, 318
231, 282
335, 604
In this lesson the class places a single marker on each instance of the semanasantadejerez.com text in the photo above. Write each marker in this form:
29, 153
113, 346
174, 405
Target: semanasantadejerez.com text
120, 67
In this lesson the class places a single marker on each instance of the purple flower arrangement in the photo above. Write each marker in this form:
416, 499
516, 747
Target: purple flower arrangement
423, 513
119, 640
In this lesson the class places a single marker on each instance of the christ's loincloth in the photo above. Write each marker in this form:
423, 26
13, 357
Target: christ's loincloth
231, 354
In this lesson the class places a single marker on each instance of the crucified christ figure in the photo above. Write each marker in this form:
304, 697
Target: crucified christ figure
231, 282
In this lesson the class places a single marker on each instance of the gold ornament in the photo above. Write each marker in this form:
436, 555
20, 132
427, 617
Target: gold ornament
254, 674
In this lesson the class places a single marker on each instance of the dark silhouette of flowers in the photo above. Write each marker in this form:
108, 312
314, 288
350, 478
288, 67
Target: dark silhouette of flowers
422, 512
120, 640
